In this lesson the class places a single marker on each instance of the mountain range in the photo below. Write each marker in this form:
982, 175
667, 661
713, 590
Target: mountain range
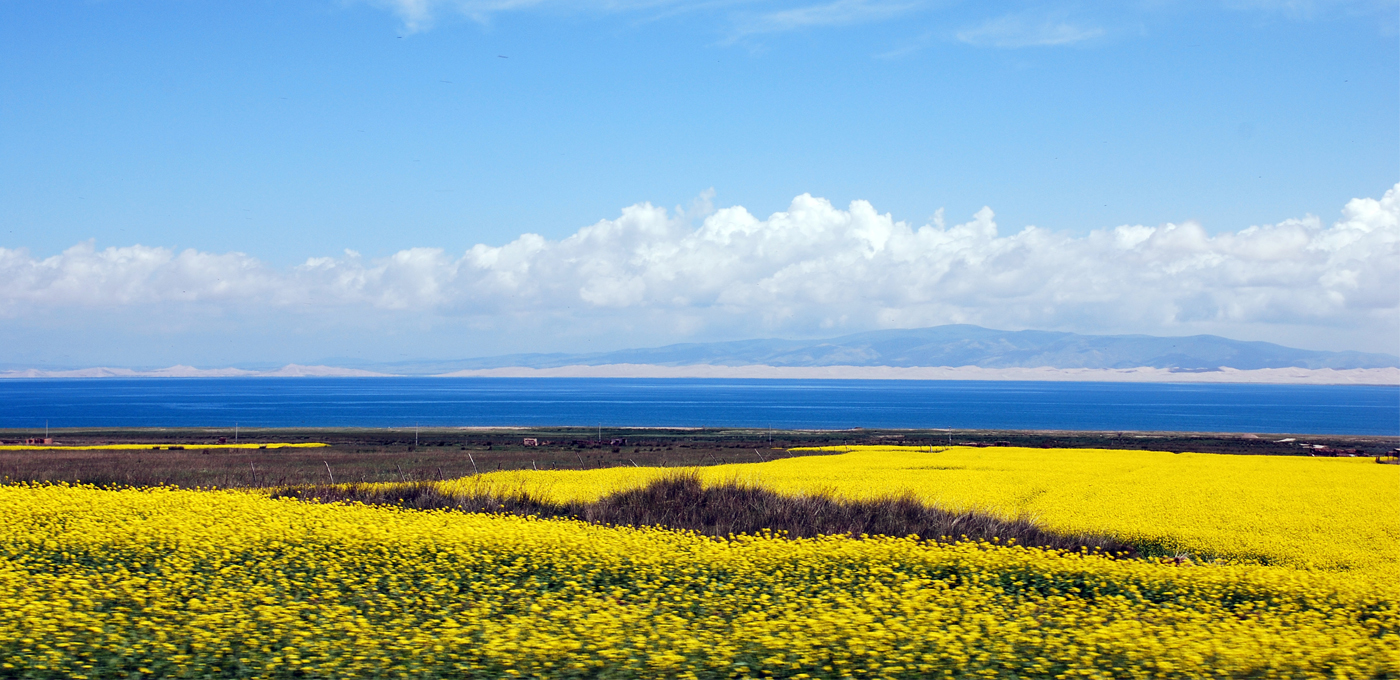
951, 345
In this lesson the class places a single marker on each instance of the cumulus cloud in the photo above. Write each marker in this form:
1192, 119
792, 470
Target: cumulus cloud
83, 276
813, 266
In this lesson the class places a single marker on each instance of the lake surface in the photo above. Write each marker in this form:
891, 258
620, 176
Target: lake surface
814, 404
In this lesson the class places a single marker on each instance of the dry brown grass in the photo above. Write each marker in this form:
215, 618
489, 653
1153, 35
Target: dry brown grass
403, 454
681, 501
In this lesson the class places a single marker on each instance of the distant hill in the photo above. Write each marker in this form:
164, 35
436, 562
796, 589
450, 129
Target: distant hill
953, 345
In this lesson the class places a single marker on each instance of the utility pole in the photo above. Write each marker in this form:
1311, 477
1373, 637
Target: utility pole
235, 432
415, 435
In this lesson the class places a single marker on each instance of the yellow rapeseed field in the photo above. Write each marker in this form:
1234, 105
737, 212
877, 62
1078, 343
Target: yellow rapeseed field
1328, 513
188, 583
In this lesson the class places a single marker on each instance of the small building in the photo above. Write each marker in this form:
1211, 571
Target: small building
618, 442
44, 441
531, 441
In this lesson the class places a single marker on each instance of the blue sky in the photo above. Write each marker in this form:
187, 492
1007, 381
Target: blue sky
274, 134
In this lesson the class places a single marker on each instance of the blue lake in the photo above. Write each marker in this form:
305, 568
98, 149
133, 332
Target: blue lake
814, 404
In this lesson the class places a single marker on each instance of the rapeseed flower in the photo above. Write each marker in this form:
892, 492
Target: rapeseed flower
100, 583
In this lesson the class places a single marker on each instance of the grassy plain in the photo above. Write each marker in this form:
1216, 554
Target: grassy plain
399, 454
59, 448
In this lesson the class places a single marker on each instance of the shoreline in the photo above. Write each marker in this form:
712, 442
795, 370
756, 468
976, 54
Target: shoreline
1274, 376
1224, 375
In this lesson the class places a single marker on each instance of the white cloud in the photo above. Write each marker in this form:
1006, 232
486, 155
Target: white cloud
1046, 24
1028, 30
84, 276
419, 15
1309, 9
811, 269
836, 13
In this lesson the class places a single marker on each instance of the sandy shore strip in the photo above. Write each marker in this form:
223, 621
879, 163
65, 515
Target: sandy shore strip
1301, 376
288, 371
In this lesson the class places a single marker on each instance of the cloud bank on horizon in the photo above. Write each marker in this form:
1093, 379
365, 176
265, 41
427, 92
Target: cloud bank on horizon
814, 269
